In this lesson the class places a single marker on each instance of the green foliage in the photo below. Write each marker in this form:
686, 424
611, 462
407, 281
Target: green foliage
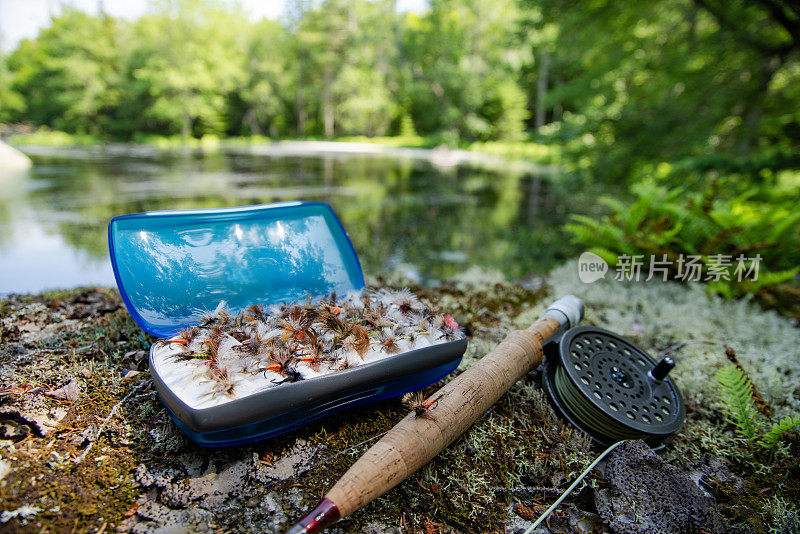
180, 79
771, 438
673, 222
262, 102
69, 76
332, 68
46, 137
737, 395
621, 87
11, 102
643, 82
461, 63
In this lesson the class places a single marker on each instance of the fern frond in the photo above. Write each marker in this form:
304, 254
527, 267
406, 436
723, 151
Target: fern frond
607, 255
769, 279
737, 395
777, 431
782, 228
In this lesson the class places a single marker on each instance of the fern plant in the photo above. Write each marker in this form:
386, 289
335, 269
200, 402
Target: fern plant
737, 395
777, 431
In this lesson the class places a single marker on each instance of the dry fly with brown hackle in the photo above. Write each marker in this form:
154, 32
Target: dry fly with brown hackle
331, 320
295, 324
184, 340
416, 403
215, 373
344, 363
357, 340
375, 315
255, 314
186, 337
221, 381
280, 358
389, 341
251, 346
313, 350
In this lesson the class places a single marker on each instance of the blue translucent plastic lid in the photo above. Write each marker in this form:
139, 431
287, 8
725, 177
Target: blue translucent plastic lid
173, 266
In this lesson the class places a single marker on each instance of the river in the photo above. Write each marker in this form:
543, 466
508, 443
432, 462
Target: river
428, 218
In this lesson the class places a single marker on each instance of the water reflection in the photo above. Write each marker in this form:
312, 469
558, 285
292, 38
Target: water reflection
399, 212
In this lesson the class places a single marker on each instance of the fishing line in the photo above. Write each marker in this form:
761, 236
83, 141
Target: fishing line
572, 487
679, 346
589, 415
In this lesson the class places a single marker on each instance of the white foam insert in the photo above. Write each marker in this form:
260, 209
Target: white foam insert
186, 379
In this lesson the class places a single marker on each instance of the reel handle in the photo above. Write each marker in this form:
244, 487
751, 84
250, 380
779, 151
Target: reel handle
415, 441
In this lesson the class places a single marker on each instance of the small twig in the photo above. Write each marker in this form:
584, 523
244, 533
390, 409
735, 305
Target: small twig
527, 490
679, 346
102, 427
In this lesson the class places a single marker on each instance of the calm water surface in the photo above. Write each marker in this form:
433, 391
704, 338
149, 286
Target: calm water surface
402, 215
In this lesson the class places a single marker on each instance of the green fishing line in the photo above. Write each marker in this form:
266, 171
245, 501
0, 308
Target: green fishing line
588, 414
572, 487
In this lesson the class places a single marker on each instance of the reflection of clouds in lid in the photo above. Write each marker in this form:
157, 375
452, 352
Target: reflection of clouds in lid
196, 237
277, 233
253, 235
171, 273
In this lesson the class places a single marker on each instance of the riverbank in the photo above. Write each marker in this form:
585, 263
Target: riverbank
87, 446
527, 156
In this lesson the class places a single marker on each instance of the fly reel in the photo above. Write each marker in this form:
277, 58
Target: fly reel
611, 389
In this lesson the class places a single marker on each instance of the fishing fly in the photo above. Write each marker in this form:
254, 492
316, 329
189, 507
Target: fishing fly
422, 408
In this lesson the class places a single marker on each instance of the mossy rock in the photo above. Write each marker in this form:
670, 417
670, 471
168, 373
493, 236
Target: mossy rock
141, 474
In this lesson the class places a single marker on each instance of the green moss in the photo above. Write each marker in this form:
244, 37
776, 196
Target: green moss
81, 496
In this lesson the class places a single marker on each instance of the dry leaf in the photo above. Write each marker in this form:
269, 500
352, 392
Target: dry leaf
71, 392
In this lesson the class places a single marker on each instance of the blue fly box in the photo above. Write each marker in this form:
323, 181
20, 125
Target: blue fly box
175, 267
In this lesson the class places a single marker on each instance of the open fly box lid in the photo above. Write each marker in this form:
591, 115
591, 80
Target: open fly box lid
172, 267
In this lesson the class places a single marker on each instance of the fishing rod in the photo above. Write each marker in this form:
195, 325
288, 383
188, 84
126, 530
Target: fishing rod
597, 380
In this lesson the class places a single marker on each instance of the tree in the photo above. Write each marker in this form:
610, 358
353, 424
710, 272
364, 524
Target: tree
68, 74
462, 60
263, 101
365, 91
12, 105
642, 83
187, 56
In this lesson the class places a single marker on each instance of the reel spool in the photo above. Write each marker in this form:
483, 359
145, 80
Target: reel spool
611, 389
